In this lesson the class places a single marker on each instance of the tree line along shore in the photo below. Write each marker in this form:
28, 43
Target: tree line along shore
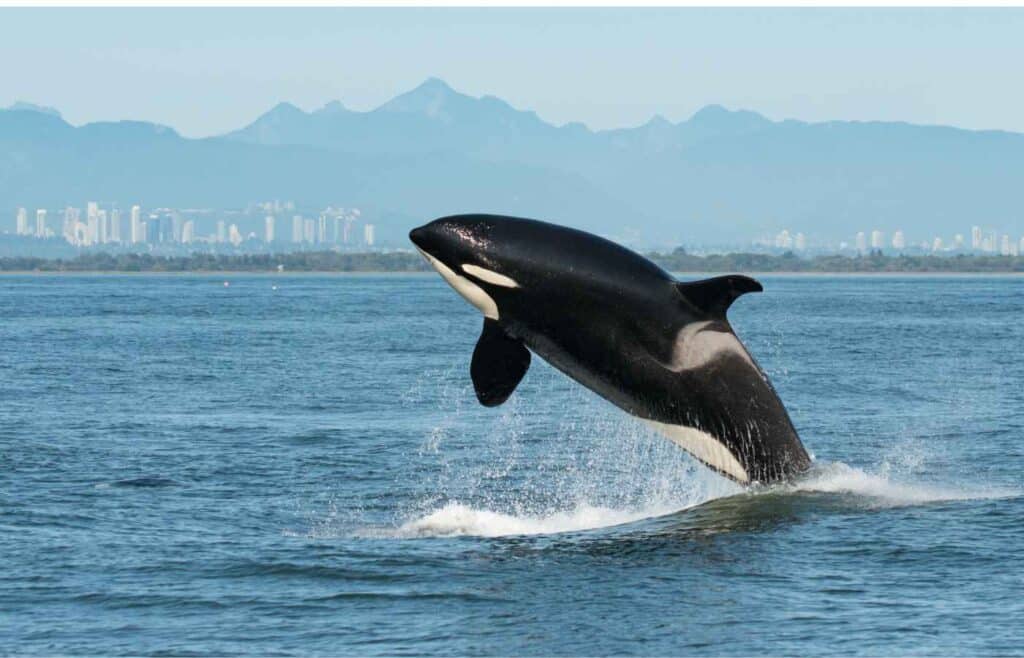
676, 261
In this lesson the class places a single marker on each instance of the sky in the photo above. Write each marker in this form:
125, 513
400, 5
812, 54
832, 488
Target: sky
209, 71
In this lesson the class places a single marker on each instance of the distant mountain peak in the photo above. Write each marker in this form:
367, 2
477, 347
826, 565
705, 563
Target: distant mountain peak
434, 84
24, 106
430, 98
333, 107
719, 115
284, 108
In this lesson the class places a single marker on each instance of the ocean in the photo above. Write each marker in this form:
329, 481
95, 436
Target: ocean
291, 464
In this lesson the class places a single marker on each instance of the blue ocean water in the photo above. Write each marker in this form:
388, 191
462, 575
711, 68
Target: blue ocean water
297, 465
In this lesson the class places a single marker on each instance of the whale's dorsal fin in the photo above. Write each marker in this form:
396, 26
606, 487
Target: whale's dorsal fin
715, 296
499, 363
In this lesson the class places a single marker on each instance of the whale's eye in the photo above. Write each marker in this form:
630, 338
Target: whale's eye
489, 276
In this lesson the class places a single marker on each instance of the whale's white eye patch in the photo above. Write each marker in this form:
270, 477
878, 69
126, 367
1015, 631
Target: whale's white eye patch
490, 277
472, 293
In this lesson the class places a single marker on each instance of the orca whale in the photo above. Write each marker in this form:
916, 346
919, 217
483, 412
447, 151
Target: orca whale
659, 349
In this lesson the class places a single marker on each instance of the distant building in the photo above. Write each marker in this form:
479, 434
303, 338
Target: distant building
308, 231
877, 240
1004, 246
115, 226
898, 241
152, 225
368, 235
222, 232
337, 230
71, 223
975, 237
92, 227
937, 244
41, 223
101, 227
177, 225
138, 227
22, 222
234, 235
321, 229
958, 241
800, 242
167, 228
861, 242
297, 229
783, 240
268, 229
188, 232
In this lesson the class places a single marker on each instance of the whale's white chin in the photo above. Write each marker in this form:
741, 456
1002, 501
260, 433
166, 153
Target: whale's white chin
471, 292
705, 448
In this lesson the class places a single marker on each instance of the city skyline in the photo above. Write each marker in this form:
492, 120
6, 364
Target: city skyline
338, 227
103, 227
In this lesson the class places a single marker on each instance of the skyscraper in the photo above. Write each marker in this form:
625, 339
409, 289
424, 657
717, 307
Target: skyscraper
368, 235
188, 230
23, 222
101, 226
71, 223
115, 226
975, 237
877, 239
268, 229
1004, 246
41, 223
861, 242
937, 244
222, 231
321, 229
898, 241
234, 235
297, 229
138, 229
166, 228
800, 242
92, 227
308, 230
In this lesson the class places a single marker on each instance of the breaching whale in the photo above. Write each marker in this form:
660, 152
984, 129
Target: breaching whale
659, 349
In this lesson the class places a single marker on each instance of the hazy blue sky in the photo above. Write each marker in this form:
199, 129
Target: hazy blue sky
207, 71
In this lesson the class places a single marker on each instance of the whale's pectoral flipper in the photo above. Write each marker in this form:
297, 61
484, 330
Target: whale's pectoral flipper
499, 363
715, 296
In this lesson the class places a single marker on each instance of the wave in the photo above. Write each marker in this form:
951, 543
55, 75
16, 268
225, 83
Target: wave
883, 489
455, 519
857, 488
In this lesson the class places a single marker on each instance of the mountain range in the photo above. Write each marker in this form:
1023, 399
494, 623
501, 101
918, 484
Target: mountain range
720, 176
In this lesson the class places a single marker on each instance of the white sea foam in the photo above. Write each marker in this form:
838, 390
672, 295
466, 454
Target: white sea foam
863, 488
457, 519
884, 488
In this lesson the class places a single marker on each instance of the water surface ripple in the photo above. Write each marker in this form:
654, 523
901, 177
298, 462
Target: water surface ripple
297, 465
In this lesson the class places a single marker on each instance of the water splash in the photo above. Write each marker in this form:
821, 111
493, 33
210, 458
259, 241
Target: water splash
885, 488
490, 475
457, 519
